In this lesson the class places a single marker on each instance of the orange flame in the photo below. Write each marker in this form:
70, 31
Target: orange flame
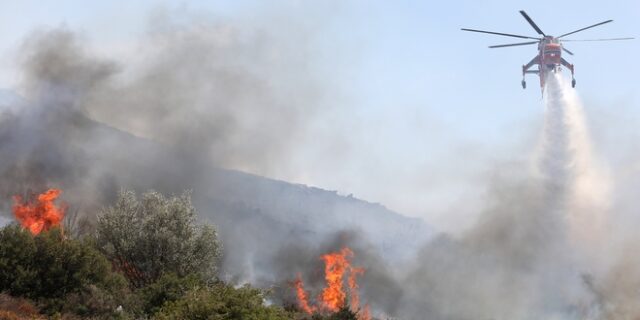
353, 288
365, 314
337, 265
41, 214
303, 300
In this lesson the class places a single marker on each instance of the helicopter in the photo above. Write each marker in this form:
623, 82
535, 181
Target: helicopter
549, 57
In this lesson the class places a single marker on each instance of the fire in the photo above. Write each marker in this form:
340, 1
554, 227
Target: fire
353, 288
337, 268
39, 215
303, 300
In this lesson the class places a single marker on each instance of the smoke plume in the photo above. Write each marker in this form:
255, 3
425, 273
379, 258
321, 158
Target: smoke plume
537, 250
191, 95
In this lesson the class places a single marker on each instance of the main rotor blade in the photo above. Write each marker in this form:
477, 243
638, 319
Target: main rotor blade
610, 39
500, 34
514, 44
567, 51
585, 28
533, 24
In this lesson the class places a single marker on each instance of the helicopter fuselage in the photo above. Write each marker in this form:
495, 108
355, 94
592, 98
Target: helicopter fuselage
549, 59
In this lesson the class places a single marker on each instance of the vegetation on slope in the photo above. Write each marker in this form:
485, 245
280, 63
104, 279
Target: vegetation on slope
146, 259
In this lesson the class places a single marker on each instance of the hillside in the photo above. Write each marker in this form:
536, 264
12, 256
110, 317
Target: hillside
256, 217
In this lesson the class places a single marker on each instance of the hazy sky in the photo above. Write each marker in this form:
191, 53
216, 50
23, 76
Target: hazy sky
422, 110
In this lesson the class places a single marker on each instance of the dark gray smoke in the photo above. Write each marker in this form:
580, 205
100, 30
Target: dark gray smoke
215, 93
235, 94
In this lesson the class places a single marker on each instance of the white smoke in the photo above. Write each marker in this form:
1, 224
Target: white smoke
536, 251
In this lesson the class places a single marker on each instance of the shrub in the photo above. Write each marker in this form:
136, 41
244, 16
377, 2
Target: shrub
168, 288
343, 314
18, 271
48, 268
221, 301
156, 235
17, 308
111, 300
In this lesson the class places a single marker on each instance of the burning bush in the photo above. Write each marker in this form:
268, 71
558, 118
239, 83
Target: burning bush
333, 299
41, 213
155, 236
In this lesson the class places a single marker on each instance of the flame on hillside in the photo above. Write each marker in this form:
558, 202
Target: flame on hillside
41, 214
337, 271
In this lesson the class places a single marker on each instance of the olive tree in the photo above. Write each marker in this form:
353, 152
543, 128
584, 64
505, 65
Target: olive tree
148, 237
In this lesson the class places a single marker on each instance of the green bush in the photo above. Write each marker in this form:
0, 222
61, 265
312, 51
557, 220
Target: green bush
18, 271
343, 314
154, 236
222, 302
168, 288
110, 300
48, 268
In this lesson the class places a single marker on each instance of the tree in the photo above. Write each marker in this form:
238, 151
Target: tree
156, 235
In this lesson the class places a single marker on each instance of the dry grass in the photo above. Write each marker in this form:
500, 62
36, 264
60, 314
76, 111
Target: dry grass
12, 308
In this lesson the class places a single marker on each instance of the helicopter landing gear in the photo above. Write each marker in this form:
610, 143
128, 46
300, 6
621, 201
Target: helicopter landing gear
524, 84
573, 83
